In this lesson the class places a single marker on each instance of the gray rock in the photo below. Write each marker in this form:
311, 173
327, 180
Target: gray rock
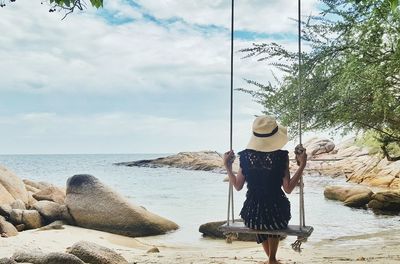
32, 219
7, 228
5, 210
358, 200
153, 250
96, 206
52, 211
51, 193
18, 204
7, 261
211, 230
56, 225
386, 201
11, 187
92, 253
342, 193
16, 216
41, 258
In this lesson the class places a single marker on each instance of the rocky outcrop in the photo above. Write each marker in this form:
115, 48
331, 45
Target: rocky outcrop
202, 160
317, 146
92, 253
11, 187
96, 206
358, 166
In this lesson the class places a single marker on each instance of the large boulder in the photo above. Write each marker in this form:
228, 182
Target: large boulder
5, 210
41, 258
358, 200
11, 187
51, 193
52, 211
342, 193
7, 228
96, 206
92, 253
386, 201
316, 146
211, 230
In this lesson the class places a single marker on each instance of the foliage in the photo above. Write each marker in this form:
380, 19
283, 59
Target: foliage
370, 139
350, 78
68, 5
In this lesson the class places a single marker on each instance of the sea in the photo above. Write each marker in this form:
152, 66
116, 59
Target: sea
191, 198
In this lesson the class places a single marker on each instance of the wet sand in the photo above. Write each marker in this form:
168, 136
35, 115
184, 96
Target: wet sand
382, 247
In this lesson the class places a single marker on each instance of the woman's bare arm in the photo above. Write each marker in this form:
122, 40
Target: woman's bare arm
290, 183
236, 180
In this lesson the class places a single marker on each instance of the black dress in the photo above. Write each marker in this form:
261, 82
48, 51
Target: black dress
266, 206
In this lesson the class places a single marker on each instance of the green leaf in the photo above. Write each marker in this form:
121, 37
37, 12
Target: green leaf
394, 4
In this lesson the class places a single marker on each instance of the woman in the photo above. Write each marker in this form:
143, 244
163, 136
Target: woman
265, 168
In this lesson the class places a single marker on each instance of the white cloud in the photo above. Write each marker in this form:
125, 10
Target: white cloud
85, 55
252, 15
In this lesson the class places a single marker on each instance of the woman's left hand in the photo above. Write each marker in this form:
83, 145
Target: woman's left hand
229, 158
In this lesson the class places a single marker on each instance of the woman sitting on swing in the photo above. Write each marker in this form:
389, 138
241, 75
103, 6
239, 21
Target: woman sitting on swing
265, 168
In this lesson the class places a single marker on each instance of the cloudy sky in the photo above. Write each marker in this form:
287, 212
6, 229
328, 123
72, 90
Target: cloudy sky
138, 76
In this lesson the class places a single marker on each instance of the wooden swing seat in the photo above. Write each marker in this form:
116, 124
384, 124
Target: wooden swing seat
291, 230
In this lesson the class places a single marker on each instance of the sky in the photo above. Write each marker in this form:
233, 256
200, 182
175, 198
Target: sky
137, 76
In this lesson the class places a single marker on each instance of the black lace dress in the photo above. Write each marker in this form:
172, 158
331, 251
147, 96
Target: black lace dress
266, 206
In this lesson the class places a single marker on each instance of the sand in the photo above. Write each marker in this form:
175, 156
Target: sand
382, 247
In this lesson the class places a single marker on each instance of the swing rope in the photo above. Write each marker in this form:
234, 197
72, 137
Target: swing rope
230, 199
297, 244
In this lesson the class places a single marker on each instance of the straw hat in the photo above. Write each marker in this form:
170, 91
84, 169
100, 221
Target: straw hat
268, 135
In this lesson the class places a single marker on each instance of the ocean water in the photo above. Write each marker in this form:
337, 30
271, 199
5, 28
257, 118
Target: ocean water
191, 198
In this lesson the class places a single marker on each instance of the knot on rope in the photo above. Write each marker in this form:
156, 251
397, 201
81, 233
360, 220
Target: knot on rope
296, 246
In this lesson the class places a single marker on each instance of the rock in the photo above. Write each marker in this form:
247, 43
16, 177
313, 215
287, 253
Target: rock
56, 225
41, 258
202, 160
342, 193
18, 204
316, 146
32, 219
20, 227
51, 193
211, 230
52, 211
37, 185
7, 228
358, 200
385, 201
92, 253
153, 250
16, 216
7, 261
5, 210
11, 187
94, 205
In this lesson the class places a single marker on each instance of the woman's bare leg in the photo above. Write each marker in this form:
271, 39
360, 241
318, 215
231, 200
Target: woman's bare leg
266, 247
273, 243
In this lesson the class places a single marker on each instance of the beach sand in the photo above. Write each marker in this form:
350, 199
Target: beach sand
382, 247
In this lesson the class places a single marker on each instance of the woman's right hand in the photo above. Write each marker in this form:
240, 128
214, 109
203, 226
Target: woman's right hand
229, 158
301, 155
